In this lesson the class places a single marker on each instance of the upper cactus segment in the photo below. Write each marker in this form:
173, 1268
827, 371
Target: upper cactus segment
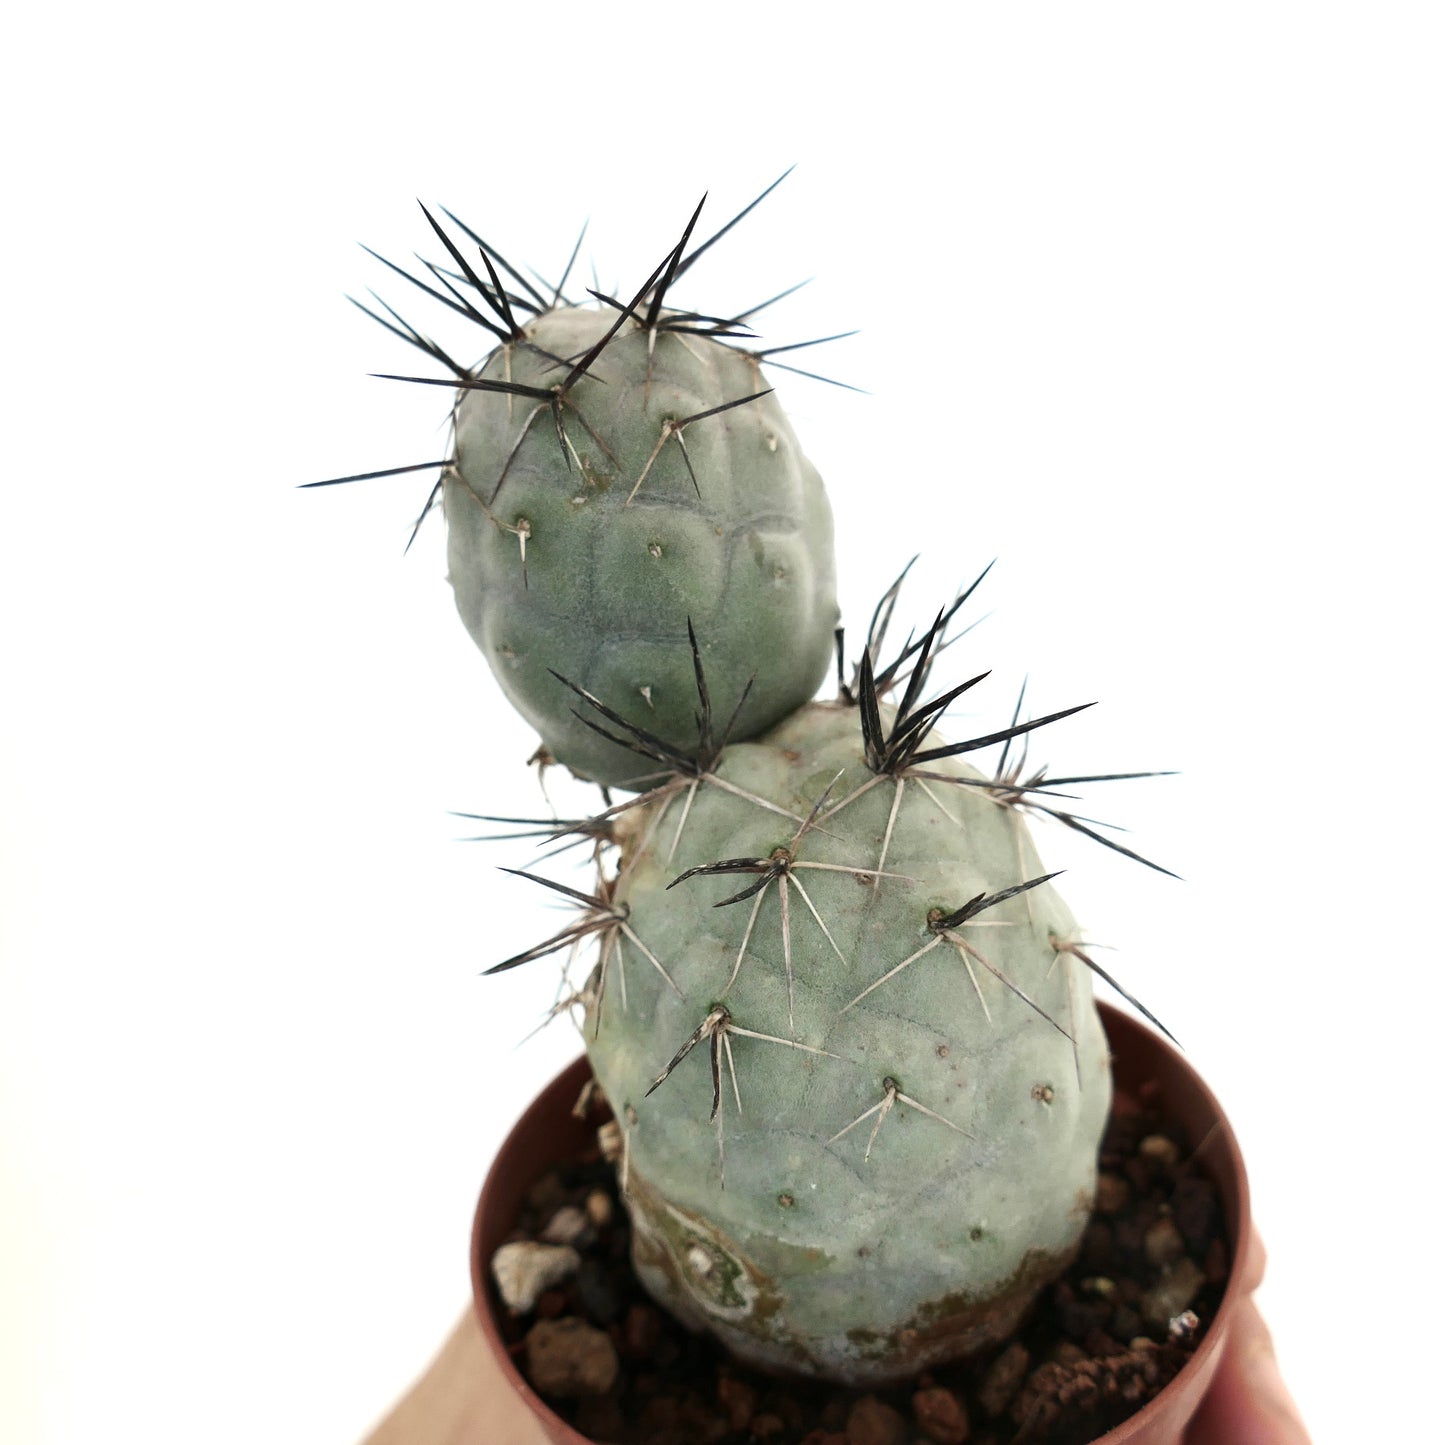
626, 499
582, 538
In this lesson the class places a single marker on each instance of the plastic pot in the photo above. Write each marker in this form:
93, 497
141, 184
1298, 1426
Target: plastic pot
1143, 1062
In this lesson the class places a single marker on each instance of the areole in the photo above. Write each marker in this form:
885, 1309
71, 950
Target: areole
548, 1132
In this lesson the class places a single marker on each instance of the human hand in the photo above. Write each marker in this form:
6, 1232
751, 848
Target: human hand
463, 1399
1248, 1402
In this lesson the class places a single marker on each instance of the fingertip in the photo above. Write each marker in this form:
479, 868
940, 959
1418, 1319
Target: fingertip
1251, 1270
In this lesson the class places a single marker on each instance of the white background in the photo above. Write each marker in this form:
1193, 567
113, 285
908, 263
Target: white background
1152, 310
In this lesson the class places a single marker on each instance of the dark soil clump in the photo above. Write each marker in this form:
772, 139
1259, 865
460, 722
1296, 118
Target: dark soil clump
1100, 1343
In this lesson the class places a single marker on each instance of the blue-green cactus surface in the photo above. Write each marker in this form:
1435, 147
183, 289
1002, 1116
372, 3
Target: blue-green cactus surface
883, 1138
583, 537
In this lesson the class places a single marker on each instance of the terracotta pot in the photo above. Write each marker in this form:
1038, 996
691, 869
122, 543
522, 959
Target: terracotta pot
1144, 1063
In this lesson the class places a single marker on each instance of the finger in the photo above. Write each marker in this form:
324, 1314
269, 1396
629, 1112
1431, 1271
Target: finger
1252, 1269
1248, 1402
464, 1397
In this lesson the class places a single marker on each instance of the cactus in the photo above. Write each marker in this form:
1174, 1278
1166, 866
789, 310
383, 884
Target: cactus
843, 1017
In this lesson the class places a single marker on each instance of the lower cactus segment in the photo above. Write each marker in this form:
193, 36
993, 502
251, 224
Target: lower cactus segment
863, 1090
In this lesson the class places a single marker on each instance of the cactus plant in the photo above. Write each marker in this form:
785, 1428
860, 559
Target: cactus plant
843, 1016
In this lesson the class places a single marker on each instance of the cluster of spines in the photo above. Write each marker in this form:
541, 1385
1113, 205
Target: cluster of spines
491, 306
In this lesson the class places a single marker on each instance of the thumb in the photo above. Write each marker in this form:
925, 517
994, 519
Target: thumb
1248, 1403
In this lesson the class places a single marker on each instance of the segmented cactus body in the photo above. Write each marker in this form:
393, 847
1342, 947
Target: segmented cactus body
883, 1138
839, 1010
586, 530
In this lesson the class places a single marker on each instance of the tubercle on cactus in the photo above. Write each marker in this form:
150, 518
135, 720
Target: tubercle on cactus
718, 1028
944, 929
892, 1095
683, 770
648, 745
780, 866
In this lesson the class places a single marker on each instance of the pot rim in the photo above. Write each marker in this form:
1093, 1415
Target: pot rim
1162, 1420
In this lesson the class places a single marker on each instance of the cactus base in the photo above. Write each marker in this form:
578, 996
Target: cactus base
1144, 1067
